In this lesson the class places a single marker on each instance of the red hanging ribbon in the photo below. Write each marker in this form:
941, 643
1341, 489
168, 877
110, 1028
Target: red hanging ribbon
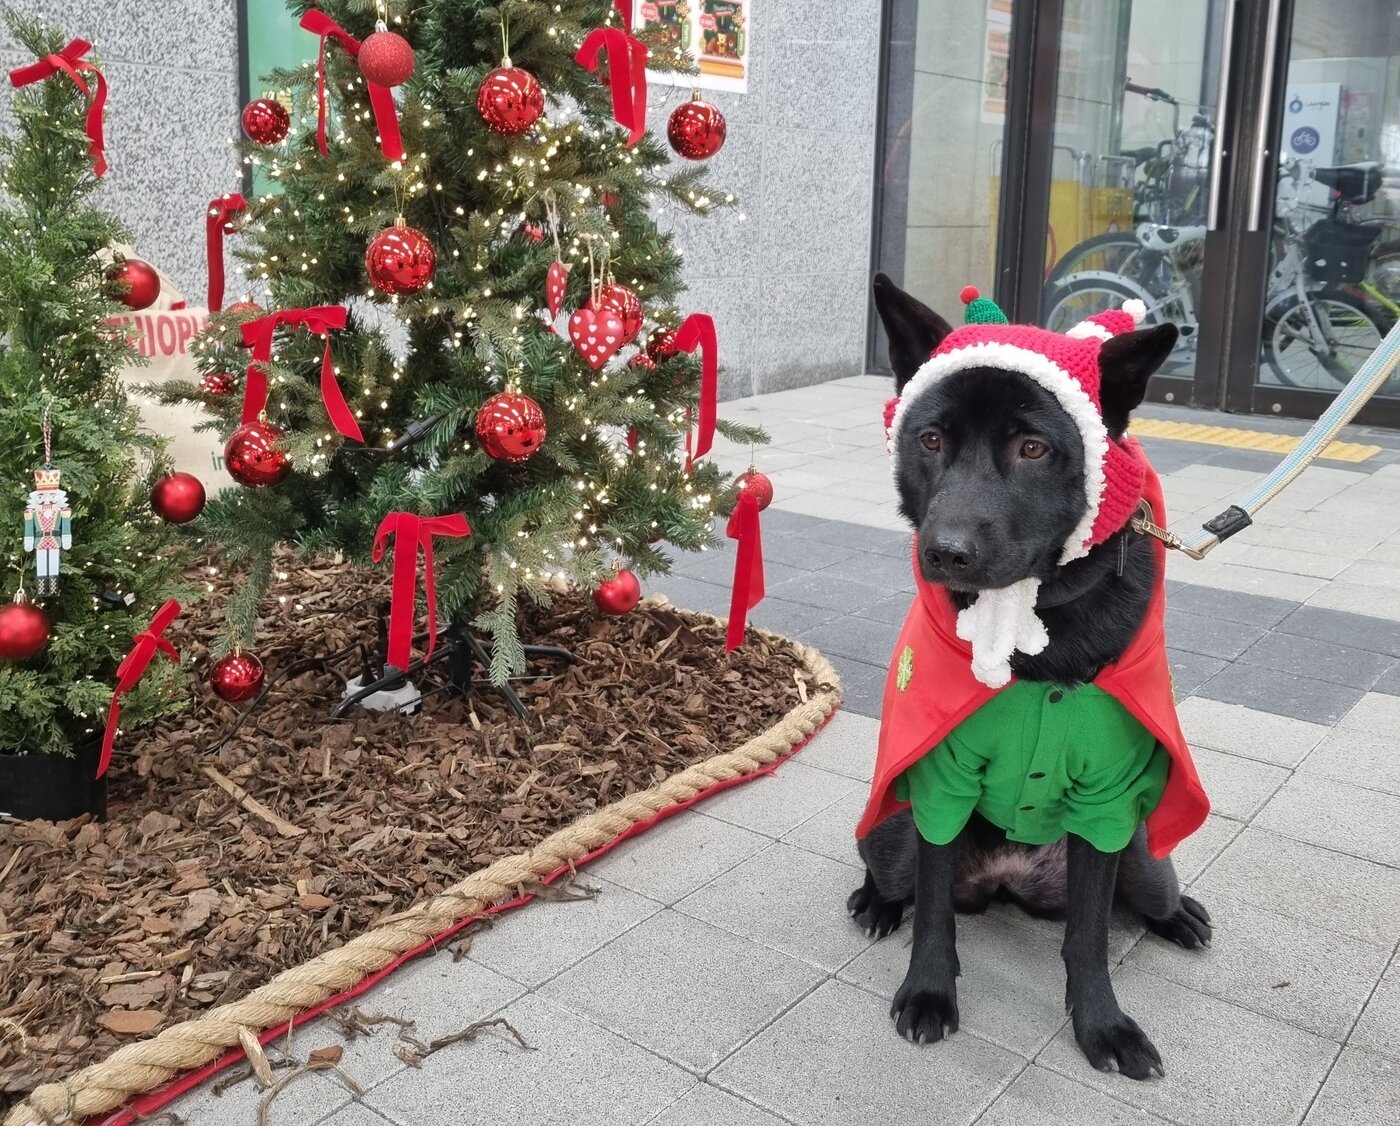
412, 533
70, 61
627, 75
257, 335
381, 98
748, 567
624, 9
698, 331
133, 668
216, 225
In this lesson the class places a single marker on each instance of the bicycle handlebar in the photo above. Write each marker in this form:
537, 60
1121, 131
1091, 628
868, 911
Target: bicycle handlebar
1157, 94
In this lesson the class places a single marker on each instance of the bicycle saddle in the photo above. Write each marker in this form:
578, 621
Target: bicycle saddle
1357, 183
1142, 155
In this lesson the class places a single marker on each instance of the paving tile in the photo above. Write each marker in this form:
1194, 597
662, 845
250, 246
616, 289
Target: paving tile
691, 594
1336, 815
1218, 571
1198, 851
1269, 690
1213, 637
846, 745
789, 618
1363, 1090
877, 541
841, 1041
1323, 660
1274, 873
773, 804
682, 988
1379, 576
1380, 715
803, 552
1254, 734
1012, 988
356, 1114
1238, 787
832, 832
1339, 595
717, 566
1281, 966
576, 1075
1378, 1030
704, 1105
862, 687
860, 638
892, 610
307, 1100
672, 859
816, 589
788, 899
1191, 670
1389, 683
1225, 1065
894, 573
1042, 1098
1289, 561
1360, 631
560, 933
846, 509
1352, 755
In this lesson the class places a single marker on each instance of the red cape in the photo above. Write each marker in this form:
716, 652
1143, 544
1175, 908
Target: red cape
943, 692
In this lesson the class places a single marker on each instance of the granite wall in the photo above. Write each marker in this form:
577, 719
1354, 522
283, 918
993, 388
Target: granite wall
172, 112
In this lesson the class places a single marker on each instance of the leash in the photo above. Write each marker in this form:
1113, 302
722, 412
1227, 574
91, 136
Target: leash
1379, 367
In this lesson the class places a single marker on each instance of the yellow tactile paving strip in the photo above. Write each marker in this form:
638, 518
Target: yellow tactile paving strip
1245, 439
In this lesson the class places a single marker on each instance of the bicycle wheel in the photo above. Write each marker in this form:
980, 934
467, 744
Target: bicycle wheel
1112, 253
1352, 328
1383, 269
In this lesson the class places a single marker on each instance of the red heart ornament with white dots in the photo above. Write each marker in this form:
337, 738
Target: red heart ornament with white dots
555, 282
597, 335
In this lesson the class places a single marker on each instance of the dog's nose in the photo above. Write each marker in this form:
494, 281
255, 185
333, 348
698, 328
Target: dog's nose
952, 555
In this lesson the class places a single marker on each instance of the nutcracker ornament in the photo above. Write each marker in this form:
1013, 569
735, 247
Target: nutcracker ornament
48, 527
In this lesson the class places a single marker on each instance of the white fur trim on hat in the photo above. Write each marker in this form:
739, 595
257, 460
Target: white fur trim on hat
1086, 329
1053, 378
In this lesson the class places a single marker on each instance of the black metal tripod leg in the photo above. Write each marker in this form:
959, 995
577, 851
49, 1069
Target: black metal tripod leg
479, 651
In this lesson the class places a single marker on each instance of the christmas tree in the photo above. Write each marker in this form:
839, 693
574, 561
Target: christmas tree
501, 182
85, 560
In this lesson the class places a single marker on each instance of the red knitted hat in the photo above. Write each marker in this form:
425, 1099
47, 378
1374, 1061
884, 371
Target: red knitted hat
1066, 365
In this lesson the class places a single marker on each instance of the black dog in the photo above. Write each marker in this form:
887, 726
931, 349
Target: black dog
996, 507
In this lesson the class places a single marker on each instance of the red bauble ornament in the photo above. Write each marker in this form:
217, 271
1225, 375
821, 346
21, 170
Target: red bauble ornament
696, 129
611, 200
597, 335
236, 677
266, 121
619, 595
218, 382
509, 99
400, 260
758, 486
626, 304
24, 629
242, 307
386, 59
533, 231
642, 362
252, 456
178, 498
510, 426
136, 283
660, 345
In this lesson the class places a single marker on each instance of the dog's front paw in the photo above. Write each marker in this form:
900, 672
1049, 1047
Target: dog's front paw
874, 914
1116, 1041
923, 1015
1188, 926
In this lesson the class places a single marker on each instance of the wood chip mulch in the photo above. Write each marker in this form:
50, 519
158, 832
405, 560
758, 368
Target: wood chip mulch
191, 895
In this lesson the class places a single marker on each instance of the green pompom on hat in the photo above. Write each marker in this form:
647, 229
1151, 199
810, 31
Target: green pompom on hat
980, 310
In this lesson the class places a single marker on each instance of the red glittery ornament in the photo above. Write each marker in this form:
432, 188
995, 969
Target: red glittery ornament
253, 458
400, 260
642, 362
509, 99
758, 486
696, 129
626, 304
178, 497
136, 283
510, 426
241, 307
660, 345
386, 59
24, 629
266, 121
619, 595
236, 677
217, 382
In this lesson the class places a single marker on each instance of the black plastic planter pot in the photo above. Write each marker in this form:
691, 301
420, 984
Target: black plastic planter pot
53, 787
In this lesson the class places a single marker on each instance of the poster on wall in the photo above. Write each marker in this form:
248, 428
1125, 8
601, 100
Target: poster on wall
717, 34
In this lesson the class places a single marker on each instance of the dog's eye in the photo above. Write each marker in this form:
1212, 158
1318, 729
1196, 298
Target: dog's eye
932, 441
1033, 449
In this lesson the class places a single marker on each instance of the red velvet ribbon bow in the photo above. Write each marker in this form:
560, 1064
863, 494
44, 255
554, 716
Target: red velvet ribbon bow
216, 224
257, 335
133, 668
627, 75
381, 98
624, 10
412, 533
70, 61
698, 331
748, 567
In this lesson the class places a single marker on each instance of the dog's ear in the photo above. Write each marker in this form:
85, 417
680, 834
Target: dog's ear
914, 329
1126, 363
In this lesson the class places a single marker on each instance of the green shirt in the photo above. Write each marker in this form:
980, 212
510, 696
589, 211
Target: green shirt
1039, 761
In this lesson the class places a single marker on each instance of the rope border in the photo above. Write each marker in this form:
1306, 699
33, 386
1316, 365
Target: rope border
139, 1067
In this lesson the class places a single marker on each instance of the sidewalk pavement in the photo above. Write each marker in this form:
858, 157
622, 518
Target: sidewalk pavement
715, 980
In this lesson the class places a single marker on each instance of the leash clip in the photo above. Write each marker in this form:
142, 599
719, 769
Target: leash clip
1143, 525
